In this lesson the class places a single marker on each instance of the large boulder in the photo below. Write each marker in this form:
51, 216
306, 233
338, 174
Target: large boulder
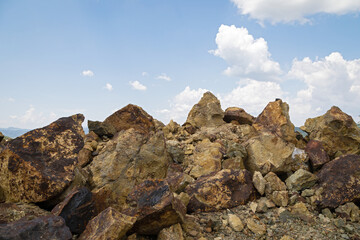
238, 116
224, 189
336, 130
207, 112
275, 118
39, 165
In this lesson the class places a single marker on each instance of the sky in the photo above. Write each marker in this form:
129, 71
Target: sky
63, 57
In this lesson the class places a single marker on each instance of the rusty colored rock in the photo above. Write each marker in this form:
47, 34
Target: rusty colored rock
108, 225
44, 227
39, 165
239, 115
171, 233
340, 182
131, 116
336, 130
317, 154
11, 212
155, 207
224, 189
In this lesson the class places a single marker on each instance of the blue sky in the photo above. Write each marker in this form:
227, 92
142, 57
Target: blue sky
59, 58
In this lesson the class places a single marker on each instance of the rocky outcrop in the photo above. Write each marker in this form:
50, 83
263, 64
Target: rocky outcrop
40, 164
206, 113
336, 130
224, 189
317, 154
238, 116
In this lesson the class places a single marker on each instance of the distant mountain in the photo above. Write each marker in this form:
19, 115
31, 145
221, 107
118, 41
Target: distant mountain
13, 132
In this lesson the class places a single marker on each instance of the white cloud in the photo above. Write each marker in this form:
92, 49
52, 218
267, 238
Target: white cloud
87, 73
164, 76
31, 119
286, 11
144, 74
138, 86
108, 86
245, 55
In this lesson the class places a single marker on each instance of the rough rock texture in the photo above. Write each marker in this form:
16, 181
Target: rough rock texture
154, 206
108, 225
349, 211
235, 156
39, 164
336, 130
269, 153
171, 233
339, 181
11, 212
238, 116
77, 209
101, 128
259, 182
235, 223
45, 227
224, 189
301, 180
126, 160
131, 116
275, 118
207, 112
275, 189
317, 154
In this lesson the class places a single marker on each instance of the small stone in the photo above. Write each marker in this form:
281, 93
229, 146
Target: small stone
286, 237
235, 223
193, 233
253, 206
344, 236
171, 233
257, 228
308, 193
349, 210
259, 182
324, 219
339, 222
300, 209
280, 198
327, 213
348, 228
300, 180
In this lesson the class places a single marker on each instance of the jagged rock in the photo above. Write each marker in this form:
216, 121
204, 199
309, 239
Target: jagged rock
109, 224
235, 156
238, 115
101, 128
126, 160
269, 153
235, 223
256, 227
11, 212
275, 118
131, 116
336, 130
40, 164
90, 145
171, 129
178, 181
176, 150
275, 190
77, 209
339, 182
224, 189
154, 206
350, 211
259, 182
171, 233
300, 209
317, 154
206, 113
300, 180
44, 227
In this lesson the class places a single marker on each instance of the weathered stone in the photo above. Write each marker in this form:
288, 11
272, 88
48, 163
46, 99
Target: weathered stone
286, 237
155, 207
126, 160
171, 233
178, 181
280, 198
176, 151
39, 165
224, 189
101, 128
44, 227
84, 157
269, 153
350, 211
259, 182
239, 115
339, 182
11, 212
300, 209
109, 224
256, 227
275, 189
275, 118
207, 112
235, 156
235, 223
171, 129
131, 116
300, 180
336, 130
77, 209
317, 154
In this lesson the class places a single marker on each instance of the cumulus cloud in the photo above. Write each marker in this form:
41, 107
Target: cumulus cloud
108, 87
138, 86
164, 76
286, 11
87, 73
246, 56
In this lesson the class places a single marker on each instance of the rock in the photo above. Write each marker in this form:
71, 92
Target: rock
300, 210
131, 116
350, 211
126, 160
176, 151
275, 118
317, 154
269, 153
300, 180
286, 237
336, 130
155, 207
339, 181
178, 181
109, 224
44, 227
171, 130
235, 223
238, 115
280, 198
171, 233
84, 157
11, 212
259, 182
256, 227
77, 209
101, 128
327, 213
308, 193
207, 112
235, 156
39, 165
224, 189
275, 190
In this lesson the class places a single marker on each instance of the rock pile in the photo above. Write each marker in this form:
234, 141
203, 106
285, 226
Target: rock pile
221, 175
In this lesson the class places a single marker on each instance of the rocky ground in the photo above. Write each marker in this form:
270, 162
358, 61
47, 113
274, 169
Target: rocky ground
221, 175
